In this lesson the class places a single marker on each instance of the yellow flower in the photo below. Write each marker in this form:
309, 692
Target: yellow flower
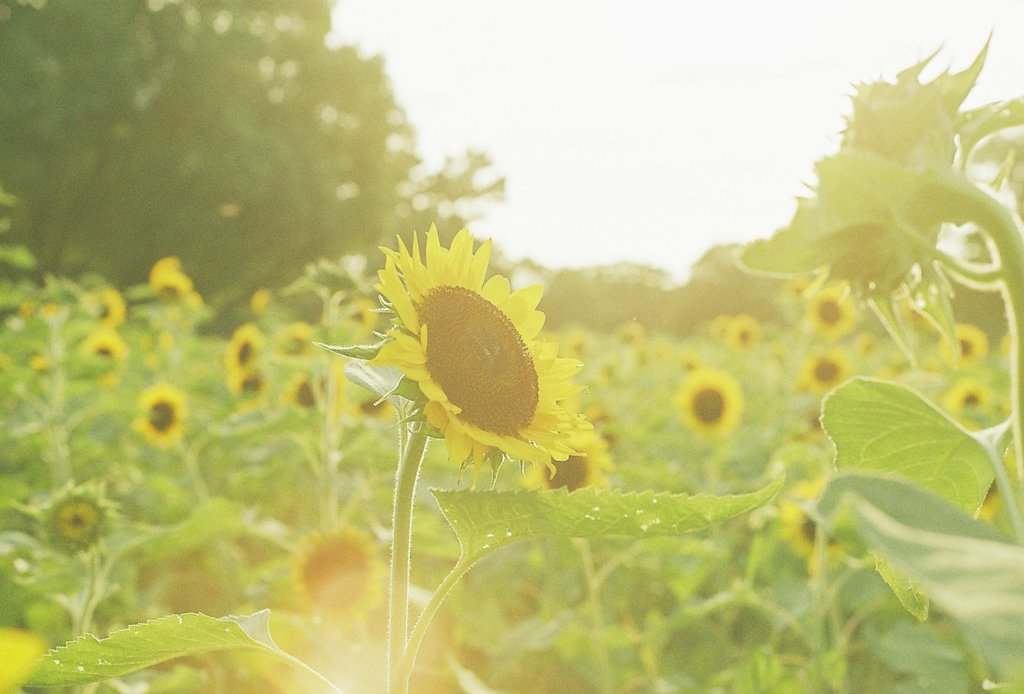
167, 279
823, 372
797, 527
297, 338
377, 409
973, 346
967, 394
248, 382
831, 311
20, 649
490, 386
259, 300
742, 332
577, 471
39, 362
710, 401
690, 360
366, 314
241, 350
631, 333
719, 327
796, 287
105, 342
865, 344
339, 574
164, 413
112, 309
300, 392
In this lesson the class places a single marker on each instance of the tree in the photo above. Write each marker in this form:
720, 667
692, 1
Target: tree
225, 132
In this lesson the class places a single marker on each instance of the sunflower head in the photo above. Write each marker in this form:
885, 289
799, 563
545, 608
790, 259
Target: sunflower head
742, 332
588, 469
710, 402
105, 342
487, 384
111, 308
76, 517
243, 347
797, 527
973, 346
824, 371
296, 339
167, 279
163, 414
246, 382
258, 301
831, 311
300, 392
339, 574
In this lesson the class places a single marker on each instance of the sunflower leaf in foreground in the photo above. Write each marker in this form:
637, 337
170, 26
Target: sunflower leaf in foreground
484, 521
88, 659
886, 427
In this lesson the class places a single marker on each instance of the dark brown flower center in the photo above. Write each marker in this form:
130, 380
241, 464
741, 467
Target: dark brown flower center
244, 353
252, 383
971, 399
478, 357
966, 348
825, 371
304, 395
570, 473
161, 416
829, 312
104, 351
708, 405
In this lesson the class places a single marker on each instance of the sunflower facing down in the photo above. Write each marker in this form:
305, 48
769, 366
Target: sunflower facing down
710, 401
490, 387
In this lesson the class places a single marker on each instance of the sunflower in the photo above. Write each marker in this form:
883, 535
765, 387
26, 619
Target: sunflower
241, 350
967, 399
719, 326
112, 309
742, 332
798, 528
297, 338
690, 360
831, 312
577, 471
21, 651
258, 301
105, 342
710, 401
973, 346
339, 574
164, 413
248, 382
489, 386
300, 392
797, 286
366, 314
824, 371
75, 517
167, 279
631, 332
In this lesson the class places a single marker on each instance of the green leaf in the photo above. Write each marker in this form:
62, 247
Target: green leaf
914, 649
889, 428
487, 520
88, 659
18, 257
382, 380
975, 125
364, 352
213, 519
905, 590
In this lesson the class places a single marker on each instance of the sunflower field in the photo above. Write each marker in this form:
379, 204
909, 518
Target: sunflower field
390, 475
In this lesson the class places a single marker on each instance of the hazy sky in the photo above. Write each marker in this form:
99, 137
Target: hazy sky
648, 131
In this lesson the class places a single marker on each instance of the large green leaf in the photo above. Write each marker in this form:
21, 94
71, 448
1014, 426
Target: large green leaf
966, 567
484, 521
88, 659
889, 428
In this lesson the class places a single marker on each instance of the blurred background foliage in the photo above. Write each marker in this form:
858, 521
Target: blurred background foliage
230, 134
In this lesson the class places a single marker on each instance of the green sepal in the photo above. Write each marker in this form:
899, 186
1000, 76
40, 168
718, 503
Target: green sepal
364, 352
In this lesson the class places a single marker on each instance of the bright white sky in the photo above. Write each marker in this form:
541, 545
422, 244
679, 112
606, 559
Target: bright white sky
647, 131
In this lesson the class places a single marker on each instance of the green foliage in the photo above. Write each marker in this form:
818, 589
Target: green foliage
485, 521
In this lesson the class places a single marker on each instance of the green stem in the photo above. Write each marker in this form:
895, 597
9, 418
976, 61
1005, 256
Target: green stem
600, 648
427, 616
401, 549
956, 199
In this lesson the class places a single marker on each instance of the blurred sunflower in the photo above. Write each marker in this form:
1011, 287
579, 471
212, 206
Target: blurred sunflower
366, 314
164, 413
742, 332
170, 283
112, 309
39, 362
798, 528
577, 471
824, 371
973, 346
300, 392
489, 386
105, 342
376, 409
258, 301
243, 347
831, 312
297, 338
75, 517
248, 382
339, 574
631, 332
719, 326
796, 287
710, 401
967, 396
690, 360
21, 650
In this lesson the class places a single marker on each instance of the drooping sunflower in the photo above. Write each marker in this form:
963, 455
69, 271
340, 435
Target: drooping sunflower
112, 309
243, 347
163, 414
831, 311
710, 402
339, 574
973, 346
577, 471
824, 371
488, 384
742, 332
